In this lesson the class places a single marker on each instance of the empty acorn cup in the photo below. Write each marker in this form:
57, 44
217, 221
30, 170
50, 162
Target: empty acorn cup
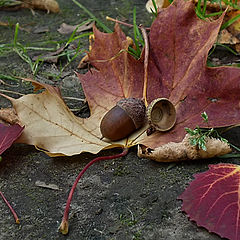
161, 114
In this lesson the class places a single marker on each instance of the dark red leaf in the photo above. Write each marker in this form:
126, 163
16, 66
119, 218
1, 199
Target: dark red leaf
8, 134
179, 43
212, 200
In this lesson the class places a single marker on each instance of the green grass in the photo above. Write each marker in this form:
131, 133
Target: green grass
198, 135
9, 3
198, 138
72, 54
202, 7
127, 221
23, 51
91, 15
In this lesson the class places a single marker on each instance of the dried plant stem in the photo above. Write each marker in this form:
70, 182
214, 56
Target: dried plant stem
121, 22
63, 228
118, 21
9, 91
10, 207
74, 98
146, 55
9, 85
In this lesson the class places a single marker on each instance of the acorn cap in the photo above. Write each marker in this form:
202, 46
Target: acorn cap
135, 108
161, 114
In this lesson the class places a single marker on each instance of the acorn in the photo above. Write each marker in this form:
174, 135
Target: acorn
161, 114
126, 117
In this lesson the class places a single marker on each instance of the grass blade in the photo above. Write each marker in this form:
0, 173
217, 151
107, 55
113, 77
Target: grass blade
229, 22
100, 23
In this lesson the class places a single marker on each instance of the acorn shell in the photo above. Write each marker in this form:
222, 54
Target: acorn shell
161, 114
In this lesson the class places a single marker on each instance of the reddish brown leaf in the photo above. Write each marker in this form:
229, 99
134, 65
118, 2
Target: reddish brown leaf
8, 134
212, 200
178, 71
117, 74
179, 44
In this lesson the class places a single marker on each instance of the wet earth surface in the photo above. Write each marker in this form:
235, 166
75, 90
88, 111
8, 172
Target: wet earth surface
123, 199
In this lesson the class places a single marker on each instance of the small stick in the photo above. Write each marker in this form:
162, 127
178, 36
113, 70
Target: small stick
9, 91
10, 207
121, 22
63, 228
146, 55
4, 83
77, 99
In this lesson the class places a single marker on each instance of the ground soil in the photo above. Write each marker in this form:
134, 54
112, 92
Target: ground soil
128, 198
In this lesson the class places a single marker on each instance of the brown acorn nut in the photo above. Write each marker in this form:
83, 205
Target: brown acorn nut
127, 116
161, 114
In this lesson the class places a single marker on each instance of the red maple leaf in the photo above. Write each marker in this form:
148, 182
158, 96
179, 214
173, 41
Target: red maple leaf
8, 134
179, 45
212, 200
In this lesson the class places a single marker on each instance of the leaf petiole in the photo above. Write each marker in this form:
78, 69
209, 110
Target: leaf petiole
10, 207
63, 228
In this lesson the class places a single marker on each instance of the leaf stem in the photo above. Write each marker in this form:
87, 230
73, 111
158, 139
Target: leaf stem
10, 207
122, 23
63, 228
146, 55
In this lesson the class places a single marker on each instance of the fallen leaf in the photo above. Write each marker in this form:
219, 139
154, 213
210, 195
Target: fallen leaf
48, 5
179, 44
159, 4
230, 35
67, 29
53, 128
225, 37
9, 115
49, 185
51, 57
8, 134
234, 28
185, 151
5, 24
212, 200
41, 29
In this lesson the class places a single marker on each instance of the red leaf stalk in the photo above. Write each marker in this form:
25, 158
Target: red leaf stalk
63, 228
10, 207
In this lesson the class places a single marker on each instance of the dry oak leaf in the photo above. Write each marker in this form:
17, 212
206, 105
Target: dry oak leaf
49, 5
185, 151
9, 116
212, 200
179, 45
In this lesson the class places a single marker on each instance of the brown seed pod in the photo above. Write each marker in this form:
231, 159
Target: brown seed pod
161, 114
127, 116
